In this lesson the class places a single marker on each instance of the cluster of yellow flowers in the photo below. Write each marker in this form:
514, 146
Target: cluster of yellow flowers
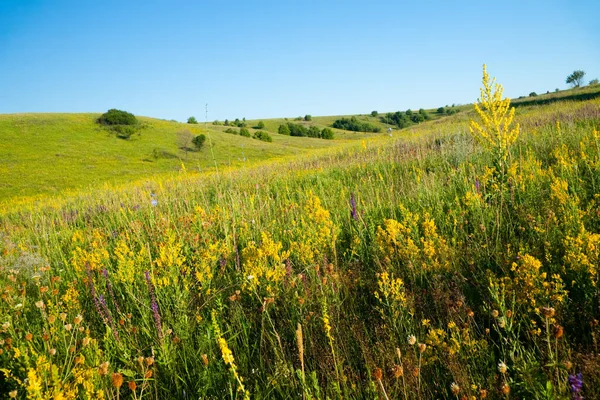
495, 131
422, 248
264, 265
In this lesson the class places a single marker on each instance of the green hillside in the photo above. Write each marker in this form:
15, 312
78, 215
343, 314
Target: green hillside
46, 154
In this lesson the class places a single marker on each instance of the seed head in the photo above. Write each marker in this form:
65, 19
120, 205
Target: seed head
412, 340
117, 380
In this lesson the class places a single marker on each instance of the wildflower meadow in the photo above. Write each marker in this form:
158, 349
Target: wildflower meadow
458, 260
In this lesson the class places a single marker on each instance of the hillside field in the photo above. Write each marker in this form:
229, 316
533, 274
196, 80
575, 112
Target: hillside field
440, 262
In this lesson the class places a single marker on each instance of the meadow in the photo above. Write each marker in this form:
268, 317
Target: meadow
457, 259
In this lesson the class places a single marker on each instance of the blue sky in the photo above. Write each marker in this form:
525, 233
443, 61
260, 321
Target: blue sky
261, 59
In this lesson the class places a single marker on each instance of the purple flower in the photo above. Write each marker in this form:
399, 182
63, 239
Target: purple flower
353, 212
576, 384
110, 290
154, 304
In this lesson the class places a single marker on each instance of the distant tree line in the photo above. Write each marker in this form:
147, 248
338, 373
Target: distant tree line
292, 129
353, 124
407, 118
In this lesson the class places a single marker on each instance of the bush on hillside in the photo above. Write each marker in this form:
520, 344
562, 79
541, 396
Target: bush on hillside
117, 117
284, 129
327, 133
192, 120
262, 135
374, 113
260, 125
199, 140
308, 117
245, 132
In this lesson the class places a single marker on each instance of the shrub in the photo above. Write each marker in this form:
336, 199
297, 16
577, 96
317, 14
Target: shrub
262, 135
216, 122
532, 94
260, 125
123, 131
353, 124
374, 113
284, 129
327, 133
231, 130
226, 123
297, 129
308, 117
192, 120
199, 140
244, 132
117, 117
314, 132
593, 82
441, 110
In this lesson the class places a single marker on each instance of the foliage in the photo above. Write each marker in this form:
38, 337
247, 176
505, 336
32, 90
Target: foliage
245, 132
327, 133
576, 78
386, 270
593, 82
260, 125
192, 120
353, 124
262, 135
374, 113
284, 129
117, 117
308, 117
199, 140
532, 94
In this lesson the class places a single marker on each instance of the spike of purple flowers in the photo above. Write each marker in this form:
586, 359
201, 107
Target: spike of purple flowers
154, 305
576, 384
93, 292
110, 291
353, 212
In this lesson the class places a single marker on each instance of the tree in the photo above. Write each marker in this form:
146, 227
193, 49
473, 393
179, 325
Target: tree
260, 125
185, 139
374, 113
192, 120
576, 78
117, 117
308, 117
593, 82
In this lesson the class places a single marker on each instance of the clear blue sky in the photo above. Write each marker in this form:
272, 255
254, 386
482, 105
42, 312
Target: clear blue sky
284, 58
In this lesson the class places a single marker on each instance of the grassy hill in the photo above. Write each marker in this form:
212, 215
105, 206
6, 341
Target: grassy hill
422, 266
47, 154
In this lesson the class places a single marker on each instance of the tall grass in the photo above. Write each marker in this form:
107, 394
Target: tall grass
379, 271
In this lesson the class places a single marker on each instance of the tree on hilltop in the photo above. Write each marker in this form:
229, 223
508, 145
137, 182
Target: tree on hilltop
576, 78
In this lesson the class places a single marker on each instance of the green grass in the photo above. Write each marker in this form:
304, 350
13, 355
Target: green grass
439, 246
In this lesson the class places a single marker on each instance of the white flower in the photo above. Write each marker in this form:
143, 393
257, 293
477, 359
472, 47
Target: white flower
250, 277
454, 388
412, 340
502, 368
20, 305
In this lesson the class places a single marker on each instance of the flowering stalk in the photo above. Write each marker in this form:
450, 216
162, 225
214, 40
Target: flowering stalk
154, 305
